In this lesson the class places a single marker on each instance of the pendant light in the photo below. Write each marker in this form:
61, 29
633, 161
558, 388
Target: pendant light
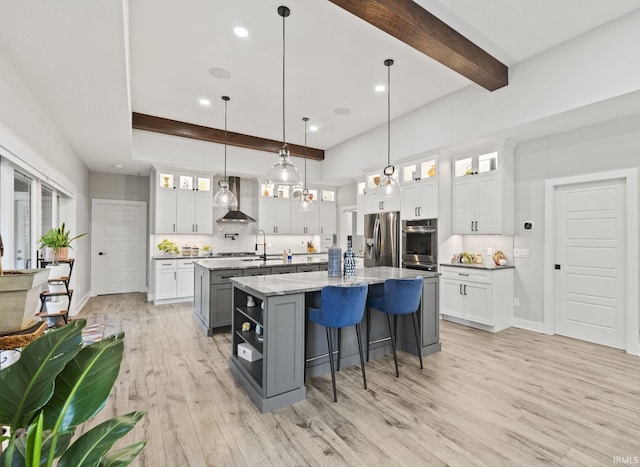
283, 172
225, 198
388, 187
305, 203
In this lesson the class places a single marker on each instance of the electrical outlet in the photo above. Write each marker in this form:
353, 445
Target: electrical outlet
520, 252
516, 301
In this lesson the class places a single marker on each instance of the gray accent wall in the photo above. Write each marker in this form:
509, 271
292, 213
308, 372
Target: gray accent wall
119, 187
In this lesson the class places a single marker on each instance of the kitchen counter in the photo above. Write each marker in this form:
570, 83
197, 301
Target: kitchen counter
489, 267
213, 264
212, 283
276, 378
314, 281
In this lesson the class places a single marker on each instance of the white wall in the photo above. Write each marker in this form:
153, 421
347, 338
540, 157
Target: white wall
28, 134
120, 187
599, 148
589, 69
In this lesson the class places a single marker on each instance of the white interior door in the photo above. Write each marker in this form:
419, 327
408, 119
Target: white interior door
590, 254
118, 246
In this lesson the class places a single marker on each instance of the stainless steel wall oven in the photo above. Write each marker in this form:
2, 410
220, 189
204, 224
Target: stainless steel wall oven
420, 244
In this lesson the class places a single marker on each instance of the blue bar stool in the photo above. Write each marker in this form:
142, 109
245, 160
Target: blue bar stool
401, 297
341, 306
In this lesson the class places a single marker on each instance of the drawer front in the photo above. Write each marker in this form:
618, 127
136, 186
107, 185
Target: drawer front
256, 272
283, 270
166, 264
467, 274
185, 264
223, 276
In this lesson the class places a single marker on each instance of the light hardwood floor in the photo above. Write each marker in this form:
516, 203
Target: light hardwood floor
513, 398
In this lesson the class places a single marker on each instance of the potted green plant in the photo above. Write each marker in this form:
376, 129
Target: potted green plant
55, 386
168, 247
19, 294
59, 240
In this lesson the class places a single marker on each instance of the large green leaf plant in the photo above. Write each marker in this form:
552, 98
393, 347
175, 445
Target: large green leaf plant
56, 385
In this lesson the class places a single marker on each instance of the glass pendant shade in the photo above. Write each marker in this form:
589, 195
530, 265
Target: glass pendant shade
283, 172
225, 198
304, 203
388, 188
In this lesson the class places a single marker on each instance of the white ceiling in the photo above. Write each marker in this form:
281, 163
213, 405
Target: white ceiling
75, 56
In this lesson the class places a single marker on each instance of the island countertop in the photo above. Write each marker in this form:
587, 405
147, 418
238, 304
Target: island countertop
313, 281
247, 263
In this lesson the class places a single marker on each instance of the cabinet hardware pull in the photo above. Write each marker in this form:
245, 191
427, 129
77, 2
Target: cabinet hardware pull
174, 227
415, 212
460, 289
465, 289
226, 277
463, 274
472, 226
175, 276
166, 264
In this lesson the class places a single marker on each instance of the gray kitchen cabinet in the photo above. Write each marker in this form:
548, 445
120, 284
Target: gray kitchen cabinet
307, 268
284, 269
255, 272
275, 379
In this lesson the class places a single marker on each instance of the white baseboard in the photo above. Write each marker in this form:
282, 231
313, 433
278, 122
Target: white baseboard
528, 325
77, 307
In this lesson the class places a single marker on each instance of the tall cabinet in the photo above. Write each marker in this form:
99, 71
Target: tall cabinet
183, 202
482, 191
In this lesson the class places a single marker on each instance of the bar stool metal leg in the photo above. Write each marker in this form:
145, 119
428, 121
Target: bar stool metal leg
331, 364
339, 341
368, 331
364, 374
393, 341
415, 331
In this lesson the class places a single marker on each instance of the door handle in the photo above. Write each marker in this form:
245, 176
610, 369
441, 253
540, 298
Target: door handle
100, 253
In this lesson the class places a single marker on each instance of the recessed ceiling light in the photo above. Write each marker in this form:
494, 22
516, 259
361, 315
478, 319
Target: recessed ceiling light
342, 111
380, 87
240, 32
313, 128
220, 73
204, 101
118, 166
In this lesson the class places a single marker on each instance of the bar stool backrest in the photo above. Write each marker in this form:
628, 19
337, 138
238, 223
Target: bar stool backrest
402, 296
342, 305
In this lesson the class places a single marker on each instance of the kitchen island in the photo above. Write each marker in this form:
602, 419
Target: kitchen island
269, 319
212, 283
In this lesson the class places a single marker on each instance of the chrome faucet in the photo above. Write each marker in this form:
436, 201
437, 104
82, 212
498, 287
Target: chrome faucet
264, 244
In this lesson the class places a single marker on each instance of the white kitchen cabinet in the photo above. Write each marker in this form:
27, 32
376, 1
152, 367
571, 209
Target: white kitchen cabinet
275, 215
420, 200
327, 217
183, 203
374, 204
173, 279
482, 191
194, 212
477, 297
478, 205
166, 271
184, 278
304, 222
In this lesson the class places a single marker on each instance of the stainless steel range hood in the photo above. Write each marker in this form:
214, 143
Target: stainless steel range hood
235, 216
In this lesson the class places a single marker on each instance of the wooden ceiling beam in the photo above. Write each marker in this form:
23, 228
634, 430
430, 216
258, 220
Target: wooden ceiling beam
410, 23
213, 135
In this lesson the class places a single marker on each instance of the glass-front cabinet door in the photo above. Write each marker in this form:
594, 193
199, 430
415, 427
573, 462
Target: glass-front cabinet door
476, 164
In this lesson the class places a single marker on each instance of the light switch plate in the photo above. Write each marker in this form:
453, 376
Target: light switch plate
520, 252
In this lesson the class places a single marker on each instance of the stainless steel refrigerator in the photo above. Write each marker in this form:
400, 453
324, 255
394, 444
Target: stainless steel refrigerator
382, 239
